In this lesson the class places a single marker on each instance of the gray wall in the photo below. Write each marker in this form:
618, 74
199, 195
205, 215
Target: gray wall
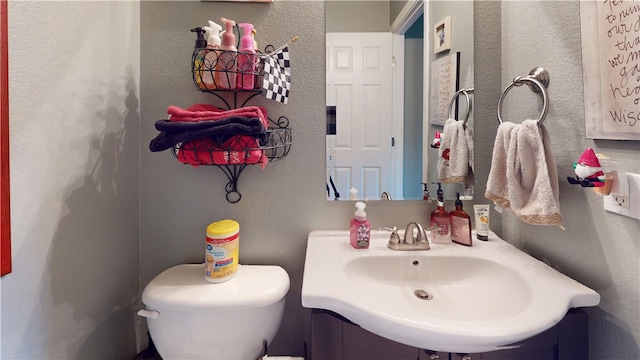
285, 201
281, 203
75, 196
598, 248
357, 16
74, 141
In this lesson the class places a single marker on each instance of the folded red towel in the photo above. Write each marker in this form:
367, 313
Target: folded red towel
240, 149
200, 112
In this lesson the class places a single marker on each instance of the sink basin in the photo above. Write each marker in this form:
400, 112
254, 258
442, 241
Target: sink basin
455, 287
451, 298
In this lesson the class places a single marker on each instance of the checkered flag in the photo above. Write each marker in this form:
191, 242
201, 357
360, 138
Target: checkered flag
277, 75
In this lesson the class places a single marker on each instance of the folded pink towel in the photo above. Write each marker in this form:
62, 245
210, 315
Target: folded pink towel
523, 176
200, 112
240, 149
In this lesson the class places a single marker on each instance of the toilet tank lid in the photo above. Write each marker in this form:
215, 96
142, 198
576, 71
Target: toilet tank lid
183, 288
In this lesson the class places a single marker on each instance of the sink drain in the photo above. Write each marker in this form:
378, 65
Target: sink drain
423, 295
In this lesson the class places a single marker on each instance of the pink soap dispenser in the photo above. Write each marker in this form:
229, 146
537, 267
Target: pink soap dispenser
246, 59
360, 230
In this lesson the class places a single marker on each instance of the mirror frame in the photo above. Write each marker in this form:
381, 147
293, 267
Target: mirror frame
5, 219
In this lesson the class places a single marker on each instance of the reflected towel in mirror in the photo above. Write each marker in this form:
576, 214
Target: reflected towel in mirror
455, 155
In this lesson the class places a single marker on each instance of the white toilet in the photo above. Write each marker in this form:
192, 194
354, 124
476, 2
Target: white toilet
190, 318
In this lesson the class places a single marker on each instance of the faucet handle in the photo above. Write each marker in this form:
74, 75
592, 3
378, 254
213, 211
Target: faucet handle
394, 238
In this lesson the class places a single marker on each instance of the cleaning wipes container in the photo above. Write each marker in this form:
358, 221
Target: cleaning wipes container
221, 251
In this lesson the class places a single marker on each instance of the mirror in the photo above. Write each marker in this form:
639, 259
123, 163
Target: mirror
379, 137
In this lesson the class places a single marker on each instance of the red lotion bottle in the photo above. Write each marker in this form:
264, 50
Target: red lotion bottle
460, 224
440, 222
360, 230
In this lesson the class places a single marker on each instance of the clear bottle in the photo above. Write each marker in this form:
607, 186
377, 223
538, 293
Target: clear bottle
246, 59
440, 222
227, 59
360, 230
460, 224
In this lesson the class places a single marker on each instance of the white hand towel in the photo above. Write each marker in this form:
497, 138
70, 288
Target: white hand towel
455, 156
523, 176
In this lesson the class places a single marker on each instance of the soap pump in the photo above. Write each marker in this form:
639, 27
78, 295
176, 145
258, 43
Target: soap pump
246, 59
197, 66
201, 42
226, 77
440, 222
211, 65
360, 230
460, 224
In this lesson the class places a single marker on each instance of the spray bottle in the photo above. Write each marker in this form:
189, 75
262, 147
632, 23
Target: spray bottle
246, 59
226, 77
211, 66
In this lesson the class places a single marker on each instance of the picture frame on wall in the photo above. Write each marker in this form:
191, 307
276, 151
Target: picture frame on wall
610, 71
445, 81
442, 35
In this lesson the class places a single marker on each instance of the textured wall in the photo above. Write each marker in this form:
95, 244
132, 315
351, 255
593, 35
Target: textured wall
281, 203
598, 248
74, 125
74, 146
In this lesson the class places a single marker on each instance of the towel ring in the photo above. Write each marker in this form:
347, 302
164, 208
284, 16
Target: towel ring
453, 101
538, 77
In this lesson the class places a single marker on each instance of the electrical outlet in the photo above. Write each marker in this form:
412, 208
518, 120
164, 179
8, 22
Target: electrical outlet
628, 205
622, 201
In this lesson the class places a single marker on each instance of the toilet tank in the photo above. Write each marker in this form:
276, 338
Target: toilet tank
201, 320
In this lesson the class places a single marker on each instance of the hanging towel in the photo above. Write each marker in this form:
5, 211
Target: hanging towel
455, 155
523, 176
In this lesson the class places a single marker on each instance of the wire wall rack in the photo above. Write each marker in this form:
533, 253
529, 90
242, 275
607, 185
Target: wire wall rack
233, 153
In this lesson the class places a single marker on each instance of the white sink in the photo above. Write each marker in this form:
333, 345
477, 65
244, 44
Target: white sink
450, 298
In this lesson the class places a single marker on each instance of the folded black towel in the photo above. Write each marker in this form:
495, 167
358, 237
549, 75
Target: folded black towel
174, 132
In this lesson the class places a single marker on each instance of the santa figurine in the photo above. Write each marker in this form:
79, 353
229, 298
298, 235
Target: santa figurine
588, 170
436, 140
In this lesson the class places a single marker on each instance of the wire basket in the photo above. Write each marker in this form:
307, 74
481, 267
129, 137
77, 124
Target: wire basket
225, 70
235, 149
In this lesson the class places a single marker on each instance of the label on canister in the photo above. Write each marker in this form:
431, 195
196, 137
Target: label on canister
221, 250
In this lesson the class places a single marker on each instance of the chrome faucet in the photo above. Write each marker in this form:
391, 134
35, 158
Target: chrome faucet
411, 241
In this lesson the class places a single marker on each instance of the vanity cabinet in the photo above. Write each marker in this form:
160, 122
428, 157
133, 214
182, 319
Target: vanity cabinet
335, 338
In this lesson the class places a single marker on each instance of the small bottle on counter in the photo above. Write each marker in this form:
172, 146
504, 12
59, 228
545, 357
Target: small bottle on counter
360, 230
440, 222
460, 224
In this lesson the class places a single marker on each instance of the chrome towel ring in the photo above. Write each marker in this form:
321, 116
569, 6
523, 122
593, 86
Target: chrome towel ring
466, 93
538, 77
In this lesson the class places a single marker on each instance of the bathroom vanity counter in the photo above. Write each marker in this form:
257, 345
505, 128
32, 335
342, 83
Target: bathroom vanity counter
335, 338
450, 298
